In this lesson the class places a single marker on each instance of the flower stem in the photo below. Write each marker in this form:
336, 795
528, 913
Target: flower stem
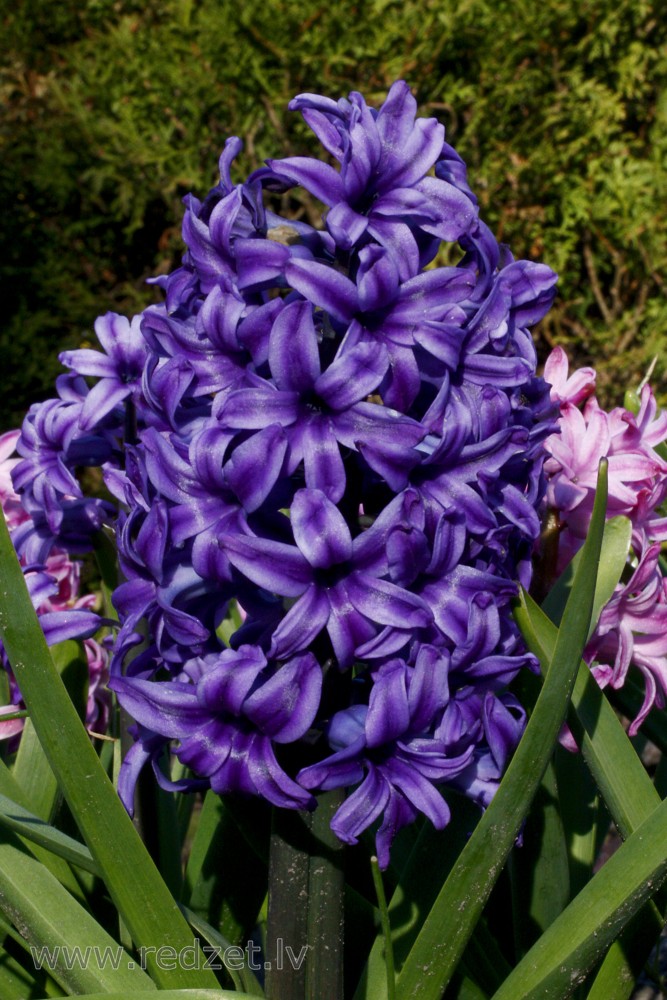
386, 928
304, 946
287, 922
326, 884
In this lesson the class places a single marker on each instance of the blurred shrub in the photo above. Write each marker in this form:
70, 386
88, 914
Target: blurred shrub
115, 109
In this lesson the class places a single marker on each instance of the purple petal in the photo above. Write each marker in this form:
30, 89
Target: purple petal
255, 465
320, 529
260, 263
293, 353
101, 400
285, 706
420, 792
407, 554
345, 225
353, 374
392, 461
396, 117
490, 369
207, 750
319, 178
405, 202
302, 624
76, 624
416, 157
429, 295
452, 210
135, 759
324, 129
387, 604
429, 687
361, 807
502, 728
342, 768
347, 628
400, 241
87, 362
323, 464
377, 278
272, 565
388, 714
253, 409
170, 709
399, 812
443, 340
227, 682
271, 782
325, 287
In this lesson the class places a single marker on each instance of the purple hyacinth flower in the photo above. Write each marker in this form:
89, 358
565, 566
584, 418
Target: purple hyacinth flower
387, 749
332, 459
319, 411
227, 717
383, 187
119, 370
337, 580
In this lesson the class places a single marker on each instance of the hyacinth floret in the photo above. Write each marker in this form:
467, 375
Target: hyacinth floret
64, 613
327, 452
632, 628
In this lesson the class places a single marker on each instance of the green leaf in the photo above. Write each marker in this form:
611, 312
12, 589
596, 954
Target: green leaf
386, 929
463, 988
539, 869
449, 925
141, 897
623, 782
47, 917
618, 974
243, 978
15, 794
31, 768
580, 936
618, 772
30, 827
431, 860
170, 995
17, 983
32, 771
613, 558
585, 819
225, 881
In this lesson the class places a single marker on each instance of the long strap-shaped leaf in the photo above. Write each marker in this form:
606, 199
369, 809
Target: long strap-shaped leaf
616, 768
576, 940
11, 792
622, 780
51, 920
138, 891
449, 925
32, 828
168, 995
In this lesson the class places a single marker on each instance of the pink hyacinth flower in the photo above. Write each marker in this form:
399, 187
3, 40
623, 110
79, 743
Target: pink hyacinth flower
65, 573
632, 628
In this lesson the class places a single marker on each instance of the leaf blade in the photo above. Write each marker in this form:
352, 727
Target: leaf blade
138, 891
449, 925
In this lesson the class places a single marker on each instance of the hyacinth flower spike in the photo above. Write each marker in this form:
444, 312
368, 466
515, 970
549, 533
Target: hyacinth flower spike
322, 427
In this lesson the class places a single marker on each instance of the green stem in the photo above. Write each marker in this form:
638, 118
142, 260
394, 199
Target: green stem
326, 884
386, 929
287, 922
304, 945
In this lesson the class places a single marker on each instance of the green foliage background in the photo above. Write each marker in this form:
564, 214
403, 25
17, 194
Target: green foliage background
114, 109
